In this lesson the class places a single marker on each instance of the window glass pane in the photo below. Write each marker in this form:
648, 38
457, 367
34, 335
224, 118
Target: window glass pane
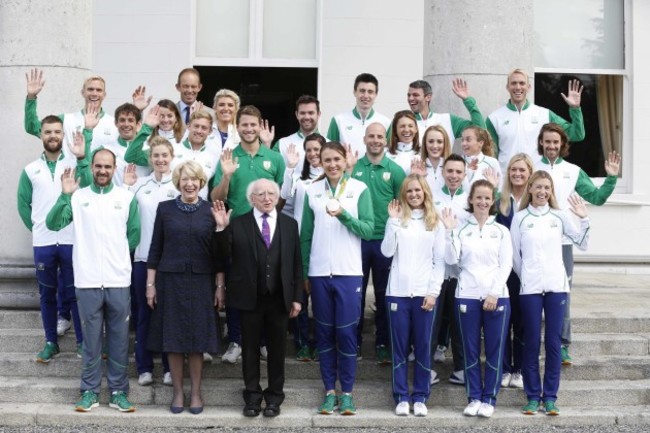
222, 28
289, 29
602, 109
579, 34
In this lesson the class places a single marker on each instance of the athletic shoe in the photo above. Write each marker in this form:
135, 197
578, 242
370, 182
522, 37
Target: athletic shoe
62, 326
167, 379
472, 408
402, 408
346, 405
486, 410
232, 354
88, 401
383, 356
439, 355
420, 409
329, 405
48, 352
145, 379
517, 381
566, 359
264, 354
550, 408
434, 378
505, 380
531, 408
315, 356
303, 354
411, 356
207, 357
120, 402
80, 350
457, 377
359, 357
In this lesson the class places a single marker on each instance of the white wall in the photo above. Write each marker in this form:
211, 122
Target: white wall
381, 37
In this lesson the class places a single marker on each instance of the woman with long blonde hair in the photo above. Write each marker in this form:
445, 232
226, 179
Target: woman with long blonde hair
415, 238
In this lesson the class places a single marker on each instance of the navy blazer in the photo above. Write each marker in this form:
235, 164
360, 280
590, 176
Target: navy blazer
238, 241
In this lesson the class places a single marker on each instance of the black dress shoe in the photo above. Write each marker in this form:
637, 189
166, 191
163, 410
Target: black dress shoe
271, 410
252, 410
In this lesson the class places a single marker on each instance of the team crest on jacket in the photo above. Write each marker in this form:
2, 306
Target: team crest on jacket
171, 194
553, 224
266, 165
118, 205
386, 176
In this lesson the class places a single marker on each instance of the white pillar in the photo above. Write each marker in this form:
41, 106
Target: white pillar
479, 41
56, 36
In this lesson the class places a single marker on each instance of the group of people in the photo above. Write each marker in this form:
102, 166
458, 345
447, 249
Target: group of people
186, 210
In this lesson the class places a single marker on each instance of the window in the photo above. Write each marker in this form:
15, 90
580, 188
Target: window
585, 39
274, 33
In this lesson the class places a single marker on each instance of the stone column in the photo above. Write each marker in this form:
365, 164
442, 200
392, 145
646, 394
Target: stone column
479, 41
56, 36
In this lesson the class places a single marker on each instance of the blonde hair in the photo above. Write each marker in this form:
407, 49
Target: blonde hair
518, 71
430, 214
160, 141
201, 114
191, 168
93, 78
506, 190
446, 147
227, 93
527, 198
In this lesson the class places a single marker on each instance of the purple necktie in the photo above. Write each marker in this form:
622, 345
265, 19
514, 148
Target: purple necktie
187, 115
266, 230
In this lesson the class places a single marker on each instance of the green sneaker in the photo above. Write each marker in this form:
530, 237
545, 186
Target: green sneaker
566, 359
531, 408
120, 402
48, 352
315, 356
550, 408
80, 350
88, 401
328, 406
346, 405
304, 354
383, 355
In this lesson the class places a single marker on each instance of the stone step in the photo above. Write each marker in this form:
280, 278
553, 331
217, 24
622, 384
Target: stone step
150, 417
623, 321
583, 345
309, 393
21, 364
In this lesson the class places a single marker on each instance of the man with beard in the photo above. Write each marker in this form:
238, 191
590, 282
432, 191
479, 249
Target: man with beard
38, 189
384, 178
246, 163
308, 115
106, 229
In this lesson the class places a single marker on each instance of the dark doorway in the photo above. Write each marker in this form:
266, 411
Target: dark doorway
273, 90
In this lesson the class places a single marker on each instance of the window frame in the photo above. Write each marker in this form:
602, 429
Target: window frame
624, 183
255, 43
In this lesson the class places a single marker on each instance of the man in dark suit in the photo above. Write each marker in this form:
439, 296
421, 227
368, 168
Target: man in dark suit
265, 284
188, 86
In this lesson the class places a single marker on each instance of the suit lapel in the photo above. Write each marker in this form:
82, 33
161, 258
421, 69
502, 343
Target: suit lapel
251, 231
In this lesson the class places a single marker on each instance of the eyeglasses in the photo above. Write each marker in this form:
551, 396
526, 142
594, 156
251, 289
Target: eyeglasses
269, 194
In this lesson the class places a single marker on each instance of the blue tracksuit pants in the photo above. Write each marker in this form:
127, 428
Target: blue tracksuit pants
336, 305
374, 261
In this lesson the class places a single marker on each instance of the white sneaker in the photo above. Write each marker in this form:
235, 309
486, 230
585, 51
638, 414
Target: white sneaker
264, 354
472, 408
486, 410
457, 377
505, 380
207, 357
439, 355
411, 356
402, 408
517, 381
434, 378
419, 409
167, 379
145, 379
62, 325
232, 354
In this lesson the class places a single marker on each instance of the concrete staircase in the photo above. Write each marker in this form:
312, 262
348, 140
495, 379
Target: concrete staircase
609, 382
